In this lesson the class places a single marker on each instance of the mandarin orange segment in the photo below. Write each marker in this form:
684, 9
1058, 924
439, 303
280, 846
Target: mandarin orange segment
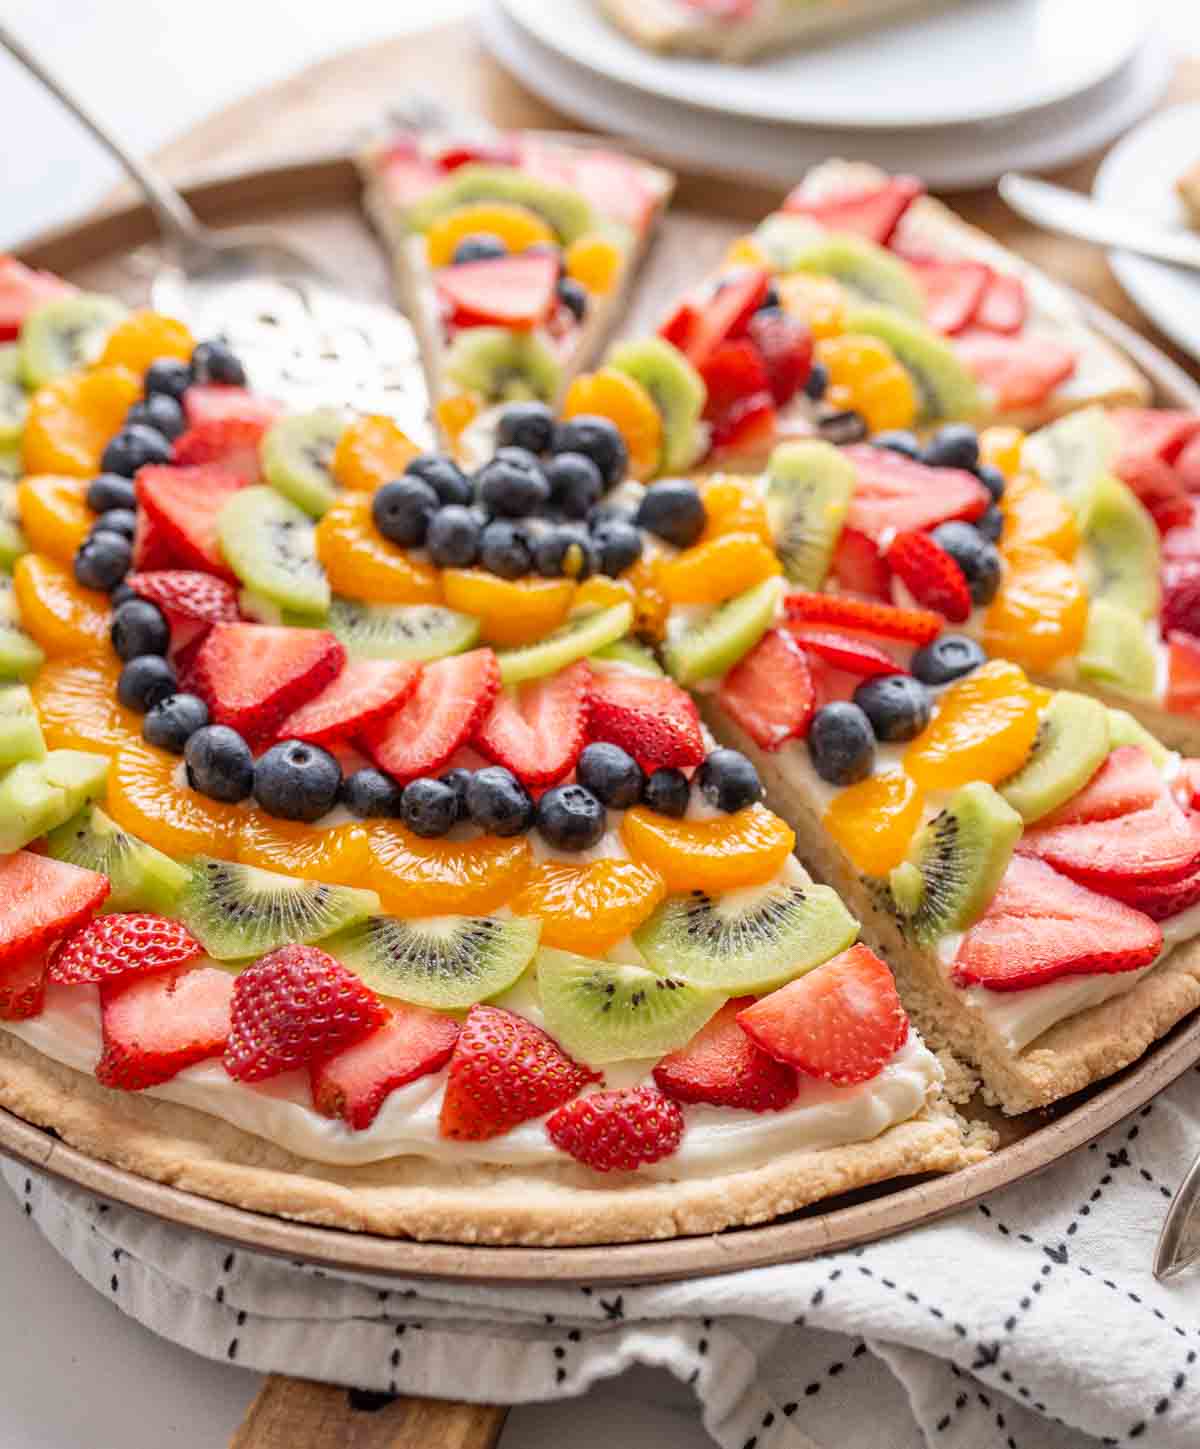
361, 564
982, 729
819, 302
54, 514
71, 419
874, 820
744, 251
601, 592
510, 611
723, 854
594, 262
76, 702
517, 227
144, 338
864, 374
716, 570
146, 798
371, 451
624, 401
1039, 615
651, 605
338, 855
1037, 516
416, 877
589, 908
734, 505
62, 617
1001, 448
455, 414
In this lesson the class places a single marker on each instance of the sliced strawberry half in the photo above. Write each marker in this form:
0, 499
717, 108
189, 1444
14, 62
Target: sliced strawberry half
786, 347
439, 717
151, 546
615, 186
23, 987
726, 314
406, 176
722, 1066
155, 1026
42, 899
618, 1131
732, 371
872, 212
1187, 466
652, 718
365, 691
1186, 784
252, 676
21, 290
1004, 306
183, 504
1159, 902
538, 730
1127, 781
1181, 597
501, 152
1153, 846
892, 492
954, 290
1151, 444
678, 326
513, 291
125, 943
191, 601
865, 616
355, 1083
748, 427
859, 566
1183, 673
1020, 371
1041, 926
930, 575
845, 651
219, 402
1182, 540
842, 1022
233, 444
770, 691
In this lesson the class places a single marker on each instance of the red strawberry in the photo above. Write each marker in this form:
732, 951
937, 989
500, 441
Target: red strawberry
151, 547
1186, 784
192, 602
859, 566
21, 290
155, 1026
722, 1066
1150, 846
842, 1022
618, 1131
1020, 371
724, 315
182, 505
513, 291
538, 731
746, 428
42, 899
232, 443
616, 186
886, 621
1151, 442
252, 676
732, 371
769, 692
502, 152
218, 402
504, 1071
406, 176
1182, 539
1187, 465
451, 698
893, 492
1125, 782
652, 718
953, 290
293, 1006
1183, 673
872, 212
845, 651
1040, 926
678, 326
23, 987
1159, 902
1004, 306
931, 576
786, 346
366, 690
411, 1043
124, 944
1181, 597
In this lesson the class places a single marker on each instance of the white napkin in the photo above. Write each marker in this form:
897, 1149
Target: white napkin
1030, 1321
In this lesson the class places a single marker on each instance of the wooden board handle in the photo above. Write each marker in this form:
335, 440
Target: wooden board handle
298, 1414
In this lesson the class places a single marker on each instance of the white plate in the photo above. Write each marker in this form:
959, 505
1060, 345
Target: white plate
1139, 175
698, 140
985, 60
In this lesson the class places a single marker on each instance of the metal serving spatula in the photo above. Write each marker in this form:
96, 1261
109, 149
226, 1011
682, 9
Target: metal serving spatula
302, 339
1179, 1241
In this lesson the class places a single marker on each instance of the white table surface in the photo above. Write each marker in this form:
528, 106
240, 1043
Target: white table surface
77, 1371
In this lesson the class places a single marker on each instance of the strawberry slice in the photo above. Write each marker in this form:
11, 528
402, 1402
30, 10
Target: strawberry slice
1183, 673
678, 326
1159, 902
953, 290
872, 212
127, 943
1187, 466
1020, 371
42, 899
859, 566
355, 1083
722, 1066
770, 691
1004, 306
405, 175
1181, 597
1186, 784
151, 547
1152, 846
1182, 539
1040, 926
233, 444
515, 291
182, 505
366, 690
21, 290
192, 602
501, 152
896, 493
846, 652
23, 987
886, 621
732, 371
1127, 781
504, 1071
538, 730
155, 1026
451, 698
747, 427
252, 676
1151, 445
618, 1131
726, 314
786, 346
724, 9
842, 1022
220, 402
650, 717
615, 186
930, 575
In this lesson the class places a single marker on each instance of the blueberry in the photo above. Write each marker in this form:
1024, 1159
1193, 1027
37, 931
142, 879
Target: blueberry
504, 550
443, 475
219, 763
991, 523
513, 484
674, 510
570, 818
370, 792
576, 484
296, 780
898, 440
897, 705
458, 779
481, 246
598, 439
613, 776
215, 362
453, 537
978, 558
402, 511
132, 448
121, 595
116, 520
618, 546
497, 801
842, 428
992, 479
144, 681
841, 743
818, 382
160, 412
728, 780
139, 627
103, 561
528, 425
173, 721
950, 656
429, 807
110, 490
666, 792
565, 552
167, 377
573, 297
954, 446
770, 301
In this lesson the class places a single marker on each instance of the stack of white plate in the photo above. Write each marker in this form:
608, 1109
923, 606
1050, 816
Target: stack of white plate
958, 96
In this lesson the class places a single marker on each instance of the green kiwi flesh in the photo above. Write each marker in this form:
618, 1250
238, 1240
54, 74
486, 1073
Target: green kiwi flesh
142, 878
1070, 746
12, 539
20, 657
1072, 453
20, 730
808, 492
400, 631
945, 388
296, 455
65, 335
626, 654
873, 274
503, 366
14, 403
38, 795
564, 210
1123, 729
1116, 651
1121, 554
715, 643
677, 390
581, 635
271, 545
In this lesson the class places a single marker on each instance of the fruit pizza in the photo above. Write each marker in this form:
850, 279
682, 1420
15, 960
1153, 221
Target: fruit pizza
358, 859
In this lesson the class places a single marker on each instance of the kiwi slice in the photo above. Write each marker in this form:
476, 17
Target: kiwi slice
1073, 452
236, 911
1123, 729
719, 638
679, 395
12, 539
66, 334
602, 1011
1117, 652
945, 387
565, 211
785, 233
12, 468
142, 878
751, 940
626, 654
1070, 746
1121, 550
875, 276
37, 795
449, 962
808, 492
961, 855
272, 547
401, 631
581, 635
20, 657
20, 729
14, 403
503, 366
296, 456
